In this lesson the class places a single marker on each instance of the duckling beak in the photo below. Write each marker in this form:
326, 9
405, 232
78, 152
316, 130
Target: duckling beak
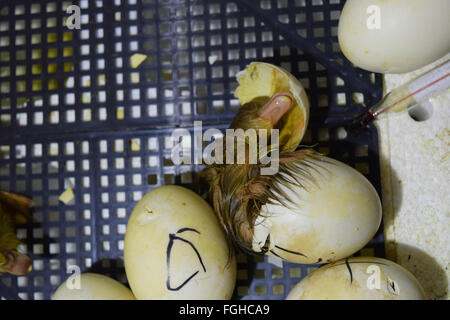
276, 108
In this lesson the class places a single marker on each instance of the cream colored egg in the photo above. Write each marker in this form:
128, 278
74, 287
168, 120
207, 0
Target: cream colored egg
394, 36
176, 249
92, 286
361, 278
334, 215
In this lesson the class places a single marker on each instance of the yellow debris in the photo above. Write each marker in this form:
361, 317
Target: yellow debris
66, 196
137, 59
212, 59
135, 145
120, 114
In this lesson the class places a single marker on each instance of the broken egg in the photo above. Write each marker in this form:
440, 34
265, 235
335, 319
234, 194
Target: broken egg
260, 81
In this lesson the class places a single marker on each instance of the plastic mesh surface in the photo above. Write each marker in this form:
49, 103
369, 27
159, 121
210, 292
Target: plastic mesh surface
76, 114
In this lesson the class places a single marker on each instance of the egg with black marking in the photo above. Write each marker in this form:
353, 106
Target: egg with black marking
332, 214
175, 248
359, 278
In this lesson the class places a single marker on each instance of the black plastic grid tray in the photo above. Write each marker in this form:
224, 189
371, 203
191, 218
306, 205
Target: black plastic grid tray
85, 103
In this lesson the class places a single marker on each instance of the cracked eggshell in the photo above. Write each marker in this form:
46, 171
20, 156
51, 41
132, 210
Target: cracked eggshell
330, 219
370, 279
260, 79
175, 248
94, 287
411, 33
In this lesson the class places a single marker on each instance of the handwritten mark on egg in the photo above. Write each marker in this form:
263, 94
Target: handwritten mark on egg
286, 250
173, 238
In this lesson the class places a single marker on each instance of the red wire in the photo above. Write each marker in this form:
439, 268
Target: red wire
413, 93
